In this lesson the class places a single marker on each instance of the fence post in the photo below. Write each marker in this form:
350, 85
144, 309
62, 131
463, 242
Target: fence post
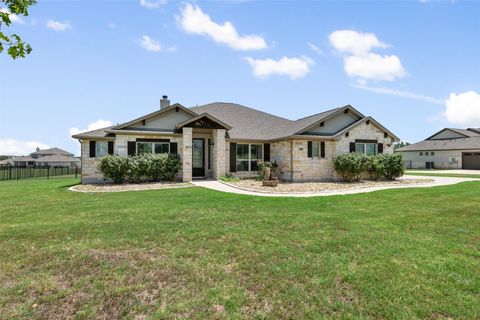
76, 171
9, 173
48, 172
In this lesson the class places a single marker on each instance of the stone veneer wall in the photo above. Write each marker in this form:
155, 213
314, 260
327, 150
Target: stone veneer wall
90, 171
219, 155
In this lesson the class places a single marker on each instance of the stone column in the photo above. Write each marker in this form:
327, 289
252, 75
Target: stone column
219, 156
187, 154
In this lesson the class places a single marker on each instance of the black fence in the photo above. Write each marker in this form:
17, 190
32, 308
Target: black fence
17, 173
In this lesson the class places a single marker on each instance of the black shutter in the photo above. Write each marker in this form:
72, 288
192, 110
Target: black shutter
322, 149
93, 145
173, 148
131, 148
110, 147
233, 157
309, 152
266, 152
380, 148
352, 147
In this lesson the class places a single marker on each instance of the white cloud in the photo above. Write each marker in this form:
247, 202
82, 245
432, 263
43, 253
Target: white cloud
463, 109
293, 67
400, 93
149, 44
373, 66
153, 4
13, 17
315, 48
353, 42
193, 20
92, 126
362, 64
58, 26
18, 147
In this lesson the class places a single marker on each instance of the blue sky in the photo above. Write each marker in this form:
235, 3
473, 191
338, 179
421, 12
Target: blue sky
412, 65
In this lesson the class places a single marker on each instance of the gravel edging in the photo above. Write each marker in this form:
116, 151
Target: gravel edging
354, 187
110, 188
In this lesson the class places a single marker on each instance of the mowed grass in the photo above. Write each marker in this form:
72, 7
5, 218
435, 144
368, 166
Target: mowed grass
446, 174
196, 253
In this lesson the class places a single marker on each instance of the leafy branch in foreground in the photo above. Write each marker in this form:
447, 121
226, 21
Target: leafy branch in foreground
17, 48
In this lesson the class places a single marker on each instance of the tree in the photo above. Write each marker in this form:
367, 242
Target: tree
17, 48
400, 145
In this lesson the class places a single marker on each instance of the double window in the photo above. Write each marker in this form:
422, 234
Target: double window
248, 155
369, 149
153, 147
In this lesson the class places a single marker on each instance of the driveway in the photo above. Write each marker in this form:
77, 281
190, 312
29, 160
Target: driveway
222, 187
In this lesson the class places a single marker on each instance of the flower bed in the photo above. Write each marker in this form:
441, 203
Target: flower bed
129, 186
314, 187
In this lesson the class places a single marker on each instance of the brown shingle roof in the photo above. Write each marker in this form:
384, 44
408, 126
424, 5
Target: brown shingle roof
52, 151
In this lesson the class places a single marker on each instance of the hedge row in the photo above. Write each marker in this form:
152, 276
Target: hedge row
143, 167
354, 166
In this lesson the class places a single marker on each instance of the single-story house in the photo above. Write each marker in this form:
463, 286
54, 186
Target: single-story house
220, 138
53, 157
449, 148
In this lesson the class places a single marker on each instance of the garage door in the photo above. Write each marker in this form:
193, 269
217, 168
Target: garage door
471, 160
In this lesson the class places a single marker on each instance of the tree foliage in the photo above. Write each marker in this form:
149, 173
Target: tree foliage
13, 43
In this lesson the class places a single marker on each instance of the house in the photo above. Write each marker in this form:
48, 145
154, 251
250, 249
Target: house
53, 157
219, 138
449, 148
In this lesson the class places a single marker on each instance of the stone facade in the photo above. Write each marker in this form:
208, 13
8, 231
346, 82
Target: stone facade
90, 171
219, 155
187, 155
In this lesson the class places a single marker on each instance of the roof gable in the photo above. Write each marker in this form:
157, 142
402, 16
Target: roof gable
447, 133
203, 120
330, 122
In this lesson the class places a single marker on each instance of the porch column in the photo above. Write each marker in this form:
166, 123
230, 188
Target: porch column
218, 153
187, 154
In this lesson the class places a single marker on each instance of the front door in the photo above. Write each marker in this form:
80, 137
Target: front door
198, 157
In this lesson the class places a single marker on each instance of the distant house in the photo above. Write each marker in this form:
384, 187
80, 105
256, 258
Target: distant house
226, 138
447, 149
53, 157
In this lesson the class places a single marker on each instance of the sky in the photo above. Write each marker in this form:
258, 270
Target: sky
412, 65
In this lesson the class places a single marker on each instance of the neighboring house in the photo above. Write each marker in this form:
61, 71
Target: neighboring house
220, 138
53, 157
447, 149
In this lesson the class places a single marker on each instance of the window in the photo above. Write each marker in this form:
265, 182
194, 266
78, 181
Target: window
315, 149
421, 153
101, 148
368, 149
248, 155
432, 153
153, 147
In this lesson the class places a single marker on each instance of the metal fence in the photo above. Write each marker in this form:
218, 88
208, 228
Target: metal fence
17, 173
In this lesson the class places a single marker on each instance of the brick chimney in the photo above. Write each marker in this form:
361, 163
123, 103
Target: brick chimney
164, 102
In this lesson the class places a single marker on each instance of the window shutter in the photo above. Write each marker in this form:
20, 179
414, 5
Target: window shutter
322, 149
233, 157
110, 147
380, 148
309, 152
173, 148
352, 147
131, 148
93, 145
266, 152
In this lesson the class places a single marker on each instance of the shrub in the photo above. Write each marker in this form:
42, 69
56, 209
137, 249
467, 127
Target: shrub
350, 166
150, 166
376, 167
114, 167
229, 178
393, 166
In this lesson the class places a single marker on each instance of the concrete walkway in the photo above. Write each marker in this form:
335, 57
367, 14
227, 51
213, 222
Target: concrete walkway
223, 187
449, 171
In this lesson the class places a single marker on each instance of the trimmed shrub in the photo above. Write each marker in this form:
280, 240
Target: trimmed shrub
375, 167
114, 167
146, 166
350, 166
393, 166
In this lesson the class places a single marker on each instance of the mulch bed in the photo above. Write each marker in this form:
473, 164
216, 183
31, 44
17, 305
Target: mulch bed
129, 186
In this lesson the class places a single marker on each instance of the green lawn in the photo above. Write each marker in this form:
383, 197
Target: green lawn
197, 253
437, 174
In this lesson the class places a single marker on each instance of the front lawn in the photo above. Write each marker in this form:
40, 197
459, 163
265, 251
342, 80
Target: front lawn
196, 253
